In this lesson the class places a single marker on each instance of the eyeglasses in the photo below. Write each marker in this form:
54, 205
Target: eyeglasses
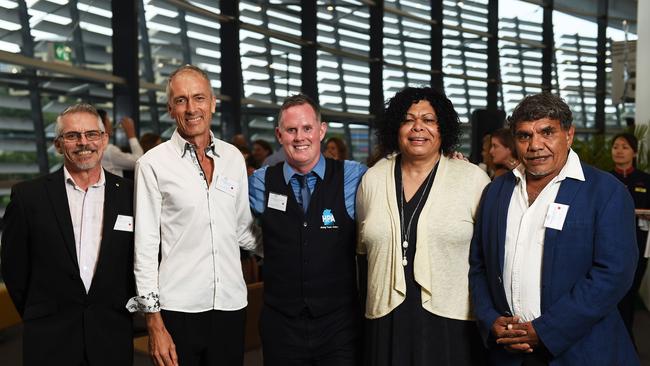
74, 136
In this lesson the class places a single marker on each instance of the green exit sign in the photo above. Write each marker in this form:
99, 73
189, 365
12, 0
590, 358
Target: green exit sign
62, 52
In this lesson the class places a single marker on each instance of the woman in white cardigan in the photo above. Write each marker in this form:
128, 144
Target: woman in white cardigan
416, 212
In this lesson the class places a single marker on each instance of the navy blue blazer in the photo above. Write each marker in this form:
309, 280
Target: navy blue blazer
587, 267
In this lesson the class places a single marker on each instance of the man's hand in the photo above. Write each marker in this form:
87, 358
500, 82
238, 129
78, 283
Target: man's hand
161, 346
128, 126
503, 328
525, 342
457, 155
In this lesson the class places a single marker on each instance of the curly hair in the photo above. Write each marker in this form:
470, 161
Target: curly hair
542, 105
395, 111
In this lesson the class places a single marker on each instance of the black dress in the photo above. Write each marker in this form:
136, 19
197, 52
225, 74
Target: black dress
410, 335
638, 183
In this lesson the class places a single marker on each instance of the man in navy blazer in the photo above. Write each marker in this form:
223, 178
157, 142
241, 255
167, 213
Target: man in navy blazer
553, 251
67, 253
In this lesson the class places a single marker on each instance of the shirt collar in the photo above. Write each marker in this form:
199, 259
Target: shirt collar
182, 146
319, 170
572, 169
624, 172
68, 179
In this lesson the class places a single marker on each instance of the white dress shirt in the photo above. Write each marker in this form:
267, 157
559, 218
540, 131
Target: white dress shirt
87, 214
524, 246
198, 228
117, 161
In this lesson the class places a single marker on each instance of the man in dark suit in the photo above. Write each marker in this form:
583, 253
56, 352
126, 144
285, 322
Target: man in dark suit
553, 252
67, 253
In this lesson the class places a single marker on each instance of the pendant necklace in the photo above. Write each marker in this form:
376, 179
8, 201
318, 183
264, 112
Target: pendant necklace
407, 233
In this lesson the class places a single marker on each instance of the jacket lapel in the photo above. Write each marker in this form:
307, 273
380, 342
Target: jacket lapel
502, 216
59, 199
567, 193
111, 195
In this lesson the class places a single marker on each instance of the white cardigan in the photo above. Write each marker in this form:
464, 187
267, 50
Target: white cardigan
444, 233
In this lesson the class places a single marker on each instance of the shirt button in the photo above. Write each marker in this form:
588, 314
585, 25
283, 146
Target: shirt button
304, 224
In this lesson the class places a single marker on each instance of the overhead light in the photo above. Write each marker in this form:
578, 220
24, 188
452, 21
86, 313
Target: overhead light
330, 7
460, 4
8, 4
9, 47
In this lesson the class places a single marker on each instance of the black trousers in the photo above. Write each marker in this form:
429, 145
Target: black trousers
208, 338
333, 339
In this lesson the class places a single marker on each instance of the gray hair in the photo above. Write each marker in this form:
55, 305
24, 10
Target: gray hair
186, 68
542, 105
77, 108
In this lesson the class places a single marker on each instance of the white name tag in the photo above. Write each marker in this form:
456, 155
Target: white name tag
124, 223
227, 185
277, 202
555, 216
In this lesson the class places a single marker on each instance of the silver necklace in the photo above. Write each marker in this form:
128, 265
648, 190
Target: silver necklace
407, 233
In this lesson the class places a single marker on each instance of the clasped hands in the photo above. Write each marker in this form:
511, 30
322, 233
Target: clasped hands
515, 336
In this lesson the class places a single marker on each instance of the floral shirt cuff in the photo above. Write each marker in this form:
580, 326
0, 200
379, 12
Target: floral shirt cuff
149, 303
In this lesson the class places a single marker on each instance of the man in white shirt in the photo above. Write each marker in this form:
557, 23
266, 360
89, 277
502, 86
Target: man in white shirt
115, 160
192, 201
553, 252
67, 253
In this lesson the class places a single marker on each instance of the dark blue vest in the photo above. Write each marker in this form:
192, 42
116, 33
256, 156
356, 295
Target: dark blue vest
309, 259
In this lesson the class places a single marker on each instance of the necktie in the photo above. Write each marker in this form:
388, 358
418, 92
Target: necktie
304, 192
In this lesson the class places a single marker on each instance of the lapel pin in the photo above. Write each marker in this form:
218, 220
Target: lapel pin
117, 184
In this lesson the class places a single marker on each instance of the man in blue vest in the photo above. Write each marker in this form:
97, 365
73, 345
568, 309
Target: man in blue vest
311, 312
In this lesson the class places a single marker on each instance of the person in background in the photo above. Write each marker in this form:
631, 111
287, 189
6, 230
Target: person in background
239, 140
278, 156
305, 206
67, 253
251, 165
261, 150
502, 151
415, 216
115, 160
149, 140
191, 195
624, 152
486, 159
553, 252
335, 148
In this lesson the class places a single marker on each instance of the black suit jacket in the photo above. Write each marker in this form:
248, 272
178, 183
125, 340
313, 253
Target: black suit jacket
39, 265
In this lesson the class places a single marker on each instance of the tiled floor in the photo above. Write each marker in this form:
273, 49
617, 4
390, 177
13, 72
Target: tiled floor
10, 343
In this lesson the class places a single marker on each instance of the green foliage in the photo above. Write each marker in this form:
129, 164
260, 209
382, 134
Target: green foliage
594, 150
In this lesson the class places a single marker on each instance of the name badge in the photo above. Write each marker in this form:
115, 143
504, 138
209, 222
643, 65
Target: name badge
226, 185
277, 202
124, 223
555, 216
640, 189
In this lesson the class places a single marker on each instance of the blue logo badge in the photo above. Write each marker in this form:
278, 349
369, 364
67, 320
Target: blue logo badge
328, 217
